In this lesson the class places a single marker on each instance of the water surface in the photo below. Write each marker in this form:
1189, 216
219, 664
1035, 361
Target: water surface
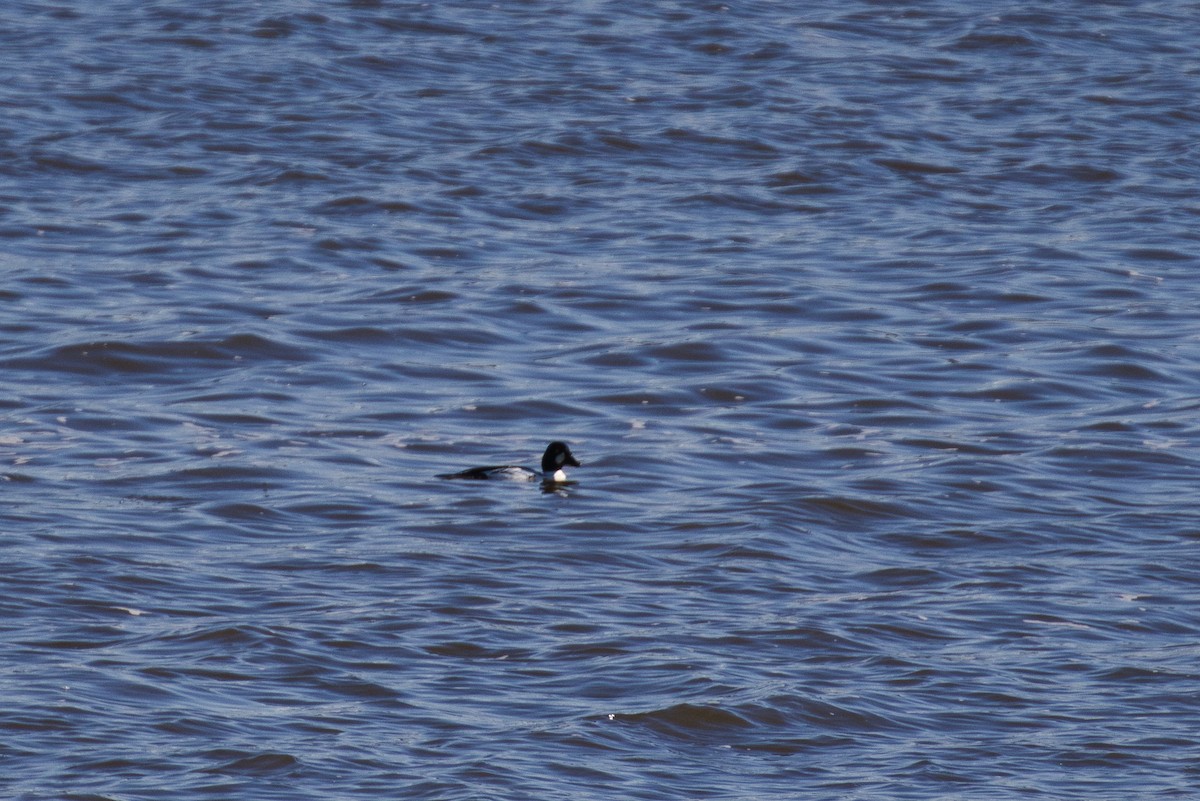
874, 327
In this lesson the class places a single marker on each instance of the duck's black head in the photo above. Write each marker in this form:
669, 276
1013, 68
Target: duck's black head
557, 454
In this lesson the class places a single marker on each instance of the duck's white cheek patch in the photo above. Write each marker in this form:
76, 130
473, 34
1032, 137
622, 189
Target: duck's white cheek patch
562, 457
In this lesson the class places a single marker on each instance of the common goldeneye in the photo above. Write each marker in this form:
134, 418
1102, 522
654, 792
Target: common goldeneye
557, 454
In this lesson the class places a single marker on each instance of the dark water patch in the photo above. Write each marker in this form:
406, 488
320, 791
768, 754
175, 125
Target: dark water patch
1051, 175
973, 448
335, 512
744, 725
1046, 392
209, 478
951, 344
1128, 371
364, 335
902, 576
748, 202
86, 638
416, 295
850, 509
1159, 254
971, 539
688, 720
239, 396
356, 205
224, 635
917, 168
242, 512
686, 352
1001, 41
1022, 298
109, 357
215, 675
1110, 461
466, 650
68, 163
234, 762
235, 419
357, 245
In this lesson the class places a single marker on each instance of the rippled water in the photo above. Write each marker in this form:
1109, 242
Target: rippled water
874, 326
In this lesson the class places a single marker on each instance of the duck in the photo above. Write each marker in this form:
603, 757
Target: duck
557, 456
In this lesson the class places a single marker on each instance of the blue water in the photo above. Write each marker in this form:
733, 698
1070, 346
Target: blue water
874, 326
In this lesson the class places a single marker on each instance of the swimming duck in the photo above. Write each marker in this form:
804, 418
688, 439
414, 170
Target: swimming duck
556, 456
